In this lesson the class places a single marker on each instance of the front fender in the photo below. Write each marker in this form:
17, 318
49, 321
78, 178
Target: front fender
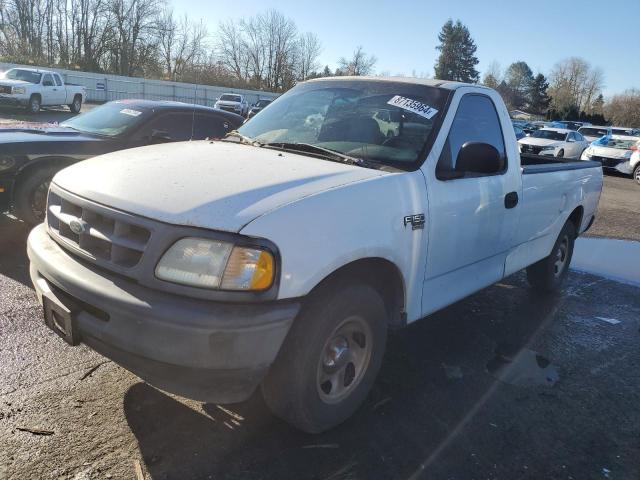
318, 234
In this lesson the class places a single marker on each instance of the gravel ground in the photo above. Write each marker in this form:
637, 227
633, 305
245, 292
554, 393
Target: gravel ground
505, 384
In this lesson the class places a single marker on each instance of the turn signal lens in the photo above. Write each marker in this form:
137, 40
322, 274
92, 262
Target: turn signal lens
248, 269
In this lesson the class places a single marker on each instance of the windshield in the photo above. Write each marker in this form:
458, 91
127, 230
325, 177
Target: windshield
618, 131
262, 103
231, 98
621, 143
549, 134
110, 119
23, 75
386, 122
593, 132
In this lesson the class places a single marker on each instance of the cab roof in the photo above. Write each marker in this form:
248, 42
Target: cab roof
428, 82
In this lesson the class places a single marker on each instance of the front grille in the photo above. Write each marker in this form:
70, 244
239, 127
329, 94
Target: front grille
96, 232
5, 89
608, 162
531, 149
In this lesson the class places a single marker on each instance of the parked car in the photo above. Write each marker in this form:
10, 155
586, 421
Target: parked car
614, 152
520, 133
569, 125
282, 256
259, 105
233, 102
559, 142
625, 131
34, 88
30, 156
592, 133
634, 163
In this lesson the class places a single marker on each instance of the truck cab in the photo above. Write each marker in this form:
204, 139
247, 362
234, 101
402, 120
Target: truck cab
281, 256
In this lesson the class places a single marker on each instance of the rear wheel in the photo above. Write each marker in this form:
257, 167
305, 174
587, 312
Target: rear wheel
30, 199
329, 359
548, 274
636, 174
34, 104
76, 105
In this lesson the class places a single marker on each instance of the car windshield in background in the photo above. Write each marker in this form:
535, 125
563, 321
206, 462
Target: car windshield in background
593, 132
622, 143
549, 135
110, 119
391, 123
230, 98
23, 75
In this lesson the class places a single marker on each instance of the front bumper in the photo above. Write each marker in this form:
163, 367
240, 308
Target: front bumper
13, 101
205, 350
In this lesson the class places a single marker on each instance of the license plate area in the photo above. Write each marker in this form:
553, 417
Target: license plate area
60, 318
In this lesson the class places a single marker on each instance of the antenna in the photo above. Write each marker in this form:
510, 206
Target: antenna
195, 98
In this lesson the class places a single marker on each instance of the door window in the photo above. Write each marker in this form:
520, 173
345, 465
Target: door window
476, 120
56, 77
48, 81
210, 126
175, 127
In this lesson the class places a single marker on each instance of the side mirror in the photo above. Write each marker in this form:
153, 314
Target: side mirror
478, 157
159, 136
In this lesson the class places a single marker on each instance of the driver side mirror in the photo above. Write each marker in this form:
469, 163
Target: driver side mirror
478, 157
159, 136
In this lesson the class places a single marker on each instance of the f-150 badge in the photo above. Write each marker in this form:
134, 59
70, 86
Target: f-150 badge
416, 221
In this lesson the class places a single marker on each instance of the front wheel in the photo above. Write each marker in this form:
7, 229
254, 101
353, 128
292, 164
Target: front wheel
30, 200
329, 359
636, 174
560, 153
548, 274
34, 104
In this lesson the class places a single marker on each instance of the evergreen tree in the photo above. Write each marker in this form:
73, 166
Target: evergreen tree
539, 99
457, 60
597, 107
519, 79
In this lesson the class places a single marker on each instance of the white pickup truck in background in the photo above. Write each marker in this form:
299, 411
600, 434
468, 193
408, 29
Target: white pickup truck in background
34, 88
233, 102
280, 256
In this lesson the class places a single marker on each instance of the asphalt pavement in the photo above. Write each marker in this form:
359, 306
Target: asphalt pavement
46, 115
505, 384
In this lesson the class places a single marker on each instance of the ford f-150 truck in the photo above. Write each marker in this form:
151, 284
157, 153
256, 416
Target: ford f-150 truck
34, 88
280, 256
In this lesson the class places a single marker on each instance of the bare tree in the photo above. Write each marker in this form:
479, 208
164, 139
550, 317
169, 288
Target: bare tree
574, 83
309, 48
181, 44
624, 109
359, 64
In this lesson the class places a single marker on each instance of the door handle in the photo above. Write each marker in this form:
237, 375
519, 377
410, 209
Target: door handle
511, 200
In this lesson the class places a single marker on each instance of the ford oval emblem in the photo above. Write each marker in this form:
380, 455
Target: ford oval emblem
77, 226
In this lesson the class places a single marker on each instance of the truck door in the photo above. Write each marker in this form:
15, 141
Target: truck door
51, 93
472, 217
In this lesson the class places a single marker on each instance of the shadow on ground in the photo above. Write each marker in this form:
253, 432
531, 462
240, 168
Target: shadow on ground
13, 249
433, 377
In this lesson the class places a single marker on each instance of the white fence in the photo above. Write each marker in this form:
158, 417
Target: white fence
104, 87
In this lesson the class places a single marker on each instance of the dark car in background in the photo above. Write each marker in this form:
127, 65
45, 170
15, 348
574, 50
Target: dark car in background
30, 156
258, 106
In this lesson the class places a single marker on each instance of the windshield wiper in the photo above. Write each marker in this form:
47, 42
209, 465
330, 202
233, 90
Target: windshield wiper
240, 139
326, 153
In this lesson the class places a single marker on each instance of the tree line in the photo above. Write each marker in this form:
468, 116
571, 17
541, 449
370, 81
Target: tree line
572, 91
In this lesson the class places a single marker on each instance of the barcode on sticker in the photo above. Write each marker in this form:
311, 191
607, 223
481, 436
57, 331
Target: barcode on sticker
414, 106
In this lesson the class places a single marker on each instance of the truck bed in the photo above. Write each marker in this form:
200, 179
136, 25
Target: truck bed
545, 163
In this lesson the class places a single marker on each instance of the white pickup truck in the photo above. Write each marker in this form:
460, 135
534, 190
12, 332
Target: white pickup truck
233, 102
280, 256
34, 88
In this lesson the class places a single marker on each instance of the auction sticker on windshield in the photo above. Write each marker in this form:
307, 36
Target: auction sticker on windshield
128, 111
414, 106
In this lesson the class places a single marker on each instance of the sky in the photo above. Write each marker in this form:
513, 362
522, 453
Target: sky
403, 34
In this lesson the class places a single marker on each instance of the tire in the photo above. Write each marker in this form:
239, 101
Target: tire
548, 274
560, 153
339, 335
31, 195
636, 174
76, 105
34, 104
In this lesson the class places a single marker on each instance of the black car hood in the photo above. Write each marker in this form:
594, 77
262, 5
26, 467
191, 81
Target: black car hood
21, 139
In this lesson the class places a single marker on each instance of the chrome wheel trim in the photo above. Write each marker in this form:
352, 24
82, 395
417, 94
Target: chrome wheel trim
344, 360
561, 257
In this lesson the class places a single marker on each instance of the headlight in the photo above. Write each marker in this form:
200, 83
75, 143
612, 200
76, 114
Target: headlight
205, 263
6, 162
18, 90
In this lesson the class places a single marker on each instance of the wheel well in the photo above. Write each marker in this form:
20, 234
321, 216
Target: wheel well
576, 218
379, 273
77, 95
37, 95
37, 165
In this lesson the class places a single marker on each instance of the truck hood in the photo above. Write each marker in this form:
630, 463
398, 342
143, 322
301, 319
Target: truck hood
539, 142
213, 185
7, 82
